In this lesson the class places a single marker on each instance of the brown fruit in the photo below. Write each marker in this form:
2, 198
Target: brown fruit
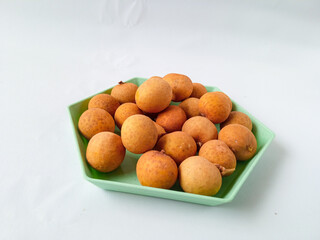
181, 86
154, 95
199, 176
156, 169
240, 140
201, 129
198, 90
124, 111
160, 130
139, 134
191, 107
124, 92
105, 102
105, 151
95, 120
178, 145
172, 118
218, 152
216, 106
238, 118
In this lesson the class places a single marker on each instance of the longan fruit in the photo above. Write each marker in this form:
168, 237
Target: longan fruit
172, 118
218, 152
240, 140
160, 130
139, 134
105, 151
95, 120
198, 90
238, 118
154, 95
191, 107
124, 111
181, 86
124, 92
105, 102
216, 106
156, 169
199, 176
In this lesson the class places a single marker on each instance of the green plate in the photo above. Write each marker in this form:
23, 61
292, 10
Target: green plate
124, 179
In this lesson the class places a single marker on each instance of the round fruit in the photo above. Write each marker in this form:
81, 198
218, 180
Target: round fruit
216, 106
124, 92
238, 118
201, 129
218, 152
105, 102
198, 90
95, 120
191, 107
240, 140
139, 134
172, 118
154, 95
181, 86
105, 151
124, 111
160, 130
156, 169
198, 175
178, 145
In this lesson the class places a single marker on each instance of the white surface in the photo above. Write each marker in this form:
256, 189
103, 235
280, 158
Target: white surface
264, 54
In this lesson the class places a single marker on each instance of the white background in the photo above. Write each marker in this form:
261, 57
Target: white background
264, 54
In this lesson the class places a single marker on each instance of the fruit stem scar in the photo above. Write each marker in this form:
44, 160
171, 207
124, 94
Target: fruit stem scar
121, 82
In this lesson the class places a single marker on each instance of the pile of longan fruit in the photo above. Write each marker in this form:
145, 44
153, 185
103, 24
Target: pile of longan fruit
168, 136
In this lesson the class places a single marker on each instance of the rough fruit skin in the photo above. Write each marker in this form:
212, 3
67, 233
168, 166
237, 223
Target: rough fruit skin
178, 145
154, 95
199, 176
191, 107
201, 129
181, 86
216, 106
124, 111
139, 134
105, 102
218, 152
198, 90
124, 92
105, 151
156, 169
172, 118
95, 120
240, 140
160, 130
236, 117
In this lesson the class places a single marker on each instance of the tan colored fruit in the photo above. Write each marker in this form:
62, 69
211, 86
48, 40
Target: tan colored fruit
240, 140
124, 92
124, 111
105, 151
154, 95
160, 130
181, 86
216, 106
199, 176
172, 118
178, 145
218, 152
238, 118
156, 169
95, 120
201, 129
198, 90
139, 134
191, 107
105, 102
